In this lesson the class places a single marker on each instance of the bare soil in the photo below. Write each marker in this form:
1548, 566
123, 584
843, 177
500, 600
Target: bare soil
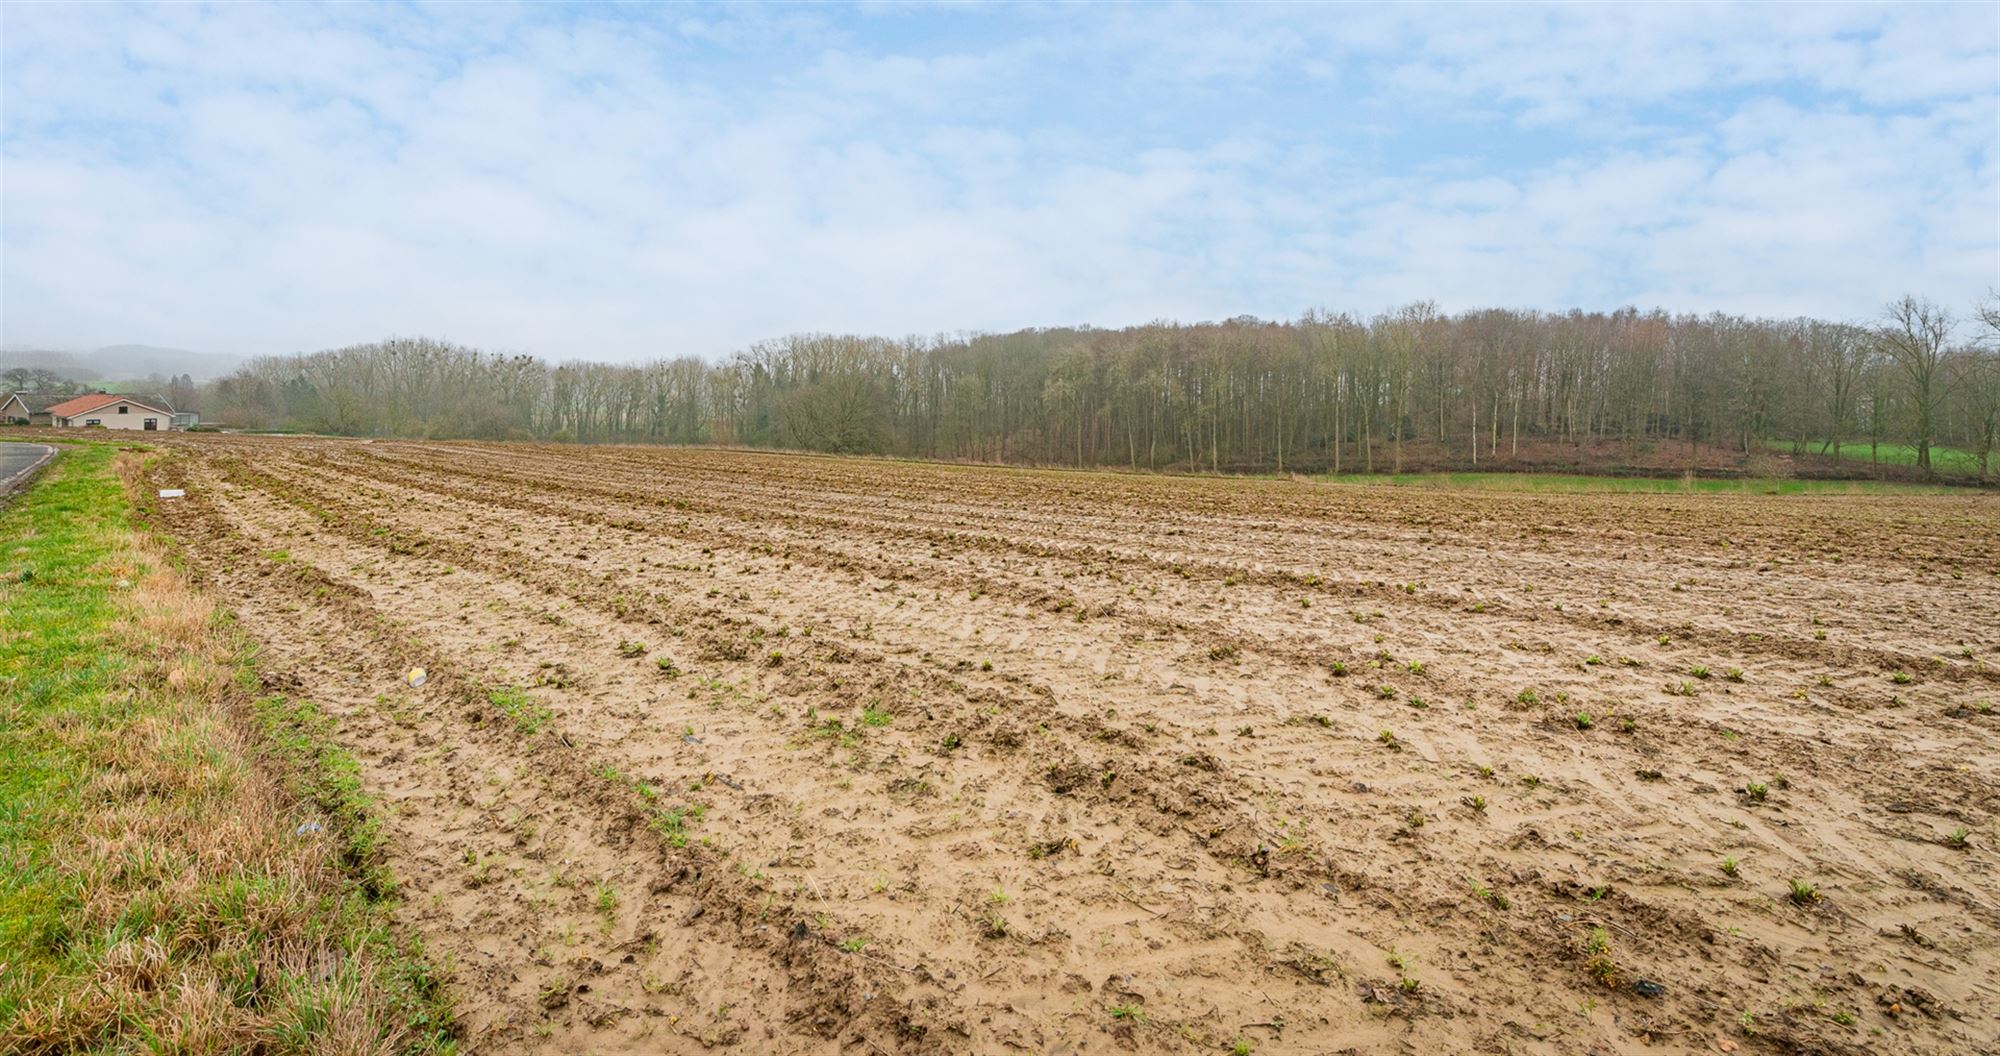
819, 755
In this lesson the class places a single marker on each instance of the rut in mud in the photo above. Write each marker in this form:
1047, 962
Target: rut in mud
806, 754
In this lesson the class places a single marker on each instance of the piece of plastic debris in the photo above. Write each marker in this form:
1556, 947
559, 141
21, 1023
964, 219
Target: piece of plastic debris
173, 493
310, 828
417, 677
1647, 988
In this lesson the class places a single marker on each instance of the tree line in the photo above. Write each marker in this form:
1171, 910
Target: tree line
1325, 392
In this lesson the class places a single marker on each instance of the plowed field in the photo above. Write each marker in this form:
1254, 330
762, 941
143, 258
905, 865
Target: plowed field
815, 755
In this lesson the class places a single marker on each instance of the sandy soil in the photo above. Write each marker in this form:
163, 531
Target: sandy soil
817, 755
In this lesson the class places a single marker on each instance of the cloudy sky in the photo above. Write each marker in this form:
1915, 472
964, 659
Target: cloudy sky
626, 182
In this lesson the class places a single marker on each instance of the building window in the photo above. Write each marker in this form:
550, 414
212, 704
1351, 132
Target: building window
153, 423
93, 421
122, 409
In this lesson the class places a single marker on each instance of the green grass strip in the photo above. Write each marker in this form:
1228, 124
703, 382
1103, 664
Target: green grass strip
1564, 483
157, 890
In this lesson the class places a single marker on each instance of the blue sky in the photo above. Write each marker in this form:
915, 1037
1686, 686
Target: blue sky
637, 181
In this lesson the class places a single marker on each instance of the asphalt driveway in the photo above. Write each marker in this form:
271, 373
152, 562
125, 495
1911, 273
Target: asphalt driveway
18, 463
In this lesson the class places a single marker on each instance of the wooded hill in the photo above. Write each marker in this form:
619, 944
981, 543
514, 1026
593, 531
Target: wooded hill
1408, 389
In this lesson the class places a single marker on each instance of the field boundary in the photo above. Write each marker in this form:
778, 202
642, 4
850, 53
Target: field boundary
188, 865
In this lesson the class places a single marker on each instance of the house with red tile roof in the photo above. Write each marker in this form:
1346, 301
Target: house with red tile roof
111, 410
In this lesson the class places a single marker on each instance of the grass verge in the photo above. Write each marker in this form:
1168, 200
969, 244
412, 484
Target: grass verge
182, 869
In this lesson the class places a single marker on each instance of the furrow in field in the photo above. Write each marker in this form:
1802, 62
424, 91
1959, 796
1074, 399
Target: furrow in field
885, 614
1220, 831
1232, 935
1760, 622
574, 918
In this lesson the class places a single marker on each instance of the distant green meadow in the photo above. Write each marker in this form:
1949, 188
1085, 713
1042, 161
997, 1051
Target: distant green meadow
1576, 482
1943, 459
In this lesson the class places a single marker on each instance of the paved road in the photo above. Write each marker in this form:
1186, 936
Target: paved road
18, 462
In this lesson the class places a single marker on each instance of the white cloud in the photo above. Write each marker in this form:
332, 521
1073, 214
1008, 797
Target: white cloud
265, 178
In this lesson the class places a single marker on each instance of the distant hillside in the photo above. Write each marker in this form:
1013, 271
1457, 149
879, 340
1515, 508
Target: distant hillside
119, 362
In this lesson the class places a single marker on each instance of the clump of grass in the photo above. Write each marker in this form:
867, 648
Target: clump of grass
631, 650
1756, 791
1598, 962
514, 702
1733, 674
1130, 1013
1388, 738
666, 666
1487, 894
1804, 892
1338, 668
1528, 696
1699, 671
1729, 865
1960, 838
1386, 692
873, 715
1584, 721
674, 823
